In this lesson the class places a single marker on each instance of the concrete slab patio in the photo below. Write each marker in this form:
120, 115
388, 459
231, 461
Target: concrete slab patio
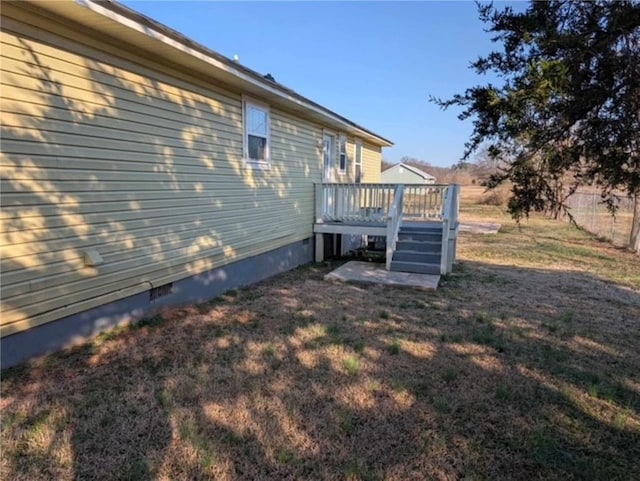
479, 227
371, 272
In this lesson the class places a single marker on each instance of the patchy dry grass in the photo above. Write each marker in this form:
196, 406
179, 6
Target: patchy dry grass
524, 364
539, 242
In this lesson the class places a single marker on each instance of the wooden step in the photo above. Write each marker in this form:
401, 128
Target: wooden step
426, 228
416, 267
419, 246
420, 236
417, 256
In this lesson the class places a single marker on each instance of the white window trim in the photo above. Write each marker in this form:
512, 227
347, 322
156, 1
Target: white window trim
334, 169
333, 133
342, 137
358, 143
254, 163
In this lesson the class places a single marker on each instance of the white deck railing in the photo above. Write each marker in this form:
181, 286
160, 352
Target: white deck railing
423, 201
372, 202
394, 219
450, 226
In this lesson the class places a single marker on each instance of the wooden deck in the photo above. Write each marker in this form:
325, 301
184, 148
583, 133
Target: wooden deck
372, 203
386, 209
351, 227
364, 227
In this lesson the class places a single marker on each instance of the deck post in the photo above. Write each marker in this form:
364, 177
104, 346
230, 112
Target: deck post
394, 220
319, 247
319, 197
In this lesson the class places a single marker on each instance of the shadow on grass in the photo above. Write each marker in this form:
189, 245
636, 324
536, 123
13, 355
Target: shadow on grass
503, 373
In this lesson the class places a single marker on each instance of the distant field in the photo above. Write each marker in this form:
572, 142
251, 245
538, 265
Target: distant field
472, 208
471, 194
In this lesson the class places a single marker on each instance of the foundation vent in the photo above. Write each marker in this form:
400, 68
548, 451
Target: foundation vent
160, 291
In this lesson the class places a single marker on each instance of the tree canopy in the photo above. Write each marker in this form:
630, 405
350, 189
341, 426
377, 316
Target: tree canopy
567, 112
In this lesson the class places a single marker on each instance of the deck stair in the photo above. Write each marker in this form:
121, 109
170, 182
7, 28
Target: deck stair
419, 248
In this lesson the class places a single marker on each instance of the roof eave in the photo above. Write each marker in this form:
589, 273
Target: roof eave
417, 171
116, 20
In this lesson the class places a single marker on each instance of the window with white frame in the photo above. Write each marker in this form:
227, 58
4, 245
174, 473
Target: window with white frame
343, 153
256, 133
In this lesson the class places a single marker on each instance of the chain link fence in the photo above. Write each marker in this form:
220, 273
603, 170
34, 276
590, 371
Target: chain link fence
592, 214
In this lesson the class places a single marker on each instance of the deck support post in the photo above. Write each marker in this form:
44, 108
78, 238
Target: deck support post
319, 247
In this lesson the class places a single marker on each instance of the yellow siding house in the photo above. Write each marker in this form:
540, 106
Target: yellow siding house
140, 168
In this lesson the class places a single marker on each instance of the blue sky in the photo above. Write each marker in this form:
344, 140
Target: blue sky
376, 63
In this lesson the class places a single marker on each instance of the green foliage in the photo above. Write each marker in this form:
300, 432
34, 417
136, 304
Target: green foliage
566, 113
284, 456
442, 405
394, 347
490, 336
150, 321
450, 375
352, 366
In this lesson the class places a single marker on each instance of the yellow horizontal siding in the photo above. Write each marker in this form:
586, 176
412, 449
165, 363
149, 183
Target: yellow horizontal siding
79, 199
81, 234
371, 163
226, 199
143, 166
351, 169
92, 53
34, 101
128, 131
45, 293
15, 258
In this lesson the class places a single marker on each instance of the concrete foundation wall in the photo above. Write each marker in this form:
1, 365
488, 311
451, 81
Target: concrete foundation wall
80, 327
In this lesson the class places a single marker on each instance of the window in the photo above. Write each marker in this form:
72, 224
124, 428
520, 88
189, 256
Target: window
343, 154
256, 133
358, 160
